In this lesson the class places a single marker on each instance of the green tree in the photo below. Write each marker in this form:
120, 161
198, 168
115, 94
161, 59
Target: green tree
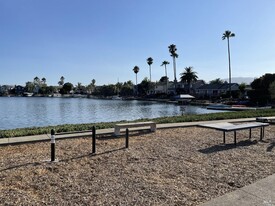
226, 35
29, 87
260, 89
80, 89
174, 55
107, 90
216, 81
188, 76
242, 90
127, 89
118, 87
150, 62
145, 86
271, 90
67, 87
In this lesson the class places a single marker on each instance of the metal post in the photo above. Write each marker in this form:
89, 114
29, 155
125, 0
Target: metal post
52, 145
94, 134
127, 138
261, 135
223, 137
250, 133
235, 140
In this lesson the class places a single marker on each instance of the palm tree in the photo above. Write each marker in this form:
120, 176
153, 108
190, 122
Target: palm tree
164, 63
43, 80
61, 82
226, 35
188, 76
172, 50
149, 62
136, 70
36, 80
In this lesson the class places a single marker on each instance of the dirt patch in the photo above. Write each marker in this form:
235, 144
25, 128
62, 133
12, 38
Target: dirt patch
184, 166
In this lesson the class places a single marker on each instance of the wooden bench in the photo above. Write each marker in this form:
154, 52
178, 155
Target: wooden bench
152, 126
228, 127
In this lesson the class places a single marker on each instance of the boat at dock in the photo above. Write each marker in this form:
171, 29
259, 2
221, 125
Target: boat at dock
230, 107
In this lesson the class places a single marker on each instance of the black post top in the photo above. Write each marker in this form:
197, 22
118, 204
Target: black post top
52, 132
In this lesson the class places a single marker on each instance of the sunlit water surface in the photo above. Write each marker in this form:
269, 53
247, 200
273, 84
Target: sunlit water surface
21, 112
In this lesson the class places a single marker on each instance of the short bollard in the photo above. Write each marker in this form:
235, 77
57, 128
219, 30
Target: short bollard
52, 145
127, 138
93, 142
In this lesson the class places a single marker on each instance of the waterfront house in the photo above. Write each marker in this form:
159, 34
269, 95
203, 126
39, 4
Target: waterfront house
6, 89
215, 90
19, 90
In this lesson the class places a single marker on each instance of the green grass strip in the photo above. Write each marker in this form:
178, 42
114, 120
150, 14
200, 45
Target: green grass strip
175, 119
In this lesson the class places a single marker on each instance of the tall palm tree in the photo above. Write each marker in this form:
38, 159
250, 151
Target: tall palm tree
226, 35
61, 82
172, 50
164, 63
43, 80
136, 70
36, 80
149, 62
188, 76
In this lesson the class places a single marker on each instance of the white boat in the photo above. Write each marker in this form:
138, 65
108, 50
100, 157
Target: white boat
116, 98
229, 107
27, 94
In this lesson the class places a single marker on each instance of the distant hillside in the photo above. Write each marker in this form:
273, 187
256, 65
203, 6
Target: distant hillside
240, 80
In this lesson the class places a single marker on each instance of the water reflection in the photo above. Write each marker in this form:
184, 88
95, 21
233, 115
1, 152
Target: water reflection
18, 112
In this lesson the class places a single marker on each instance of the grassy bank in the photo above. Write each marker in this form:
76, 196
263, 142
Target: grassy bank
175, 119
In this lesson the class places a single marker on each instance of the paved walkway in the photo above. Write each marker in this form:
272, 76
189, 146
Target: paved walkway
261, 193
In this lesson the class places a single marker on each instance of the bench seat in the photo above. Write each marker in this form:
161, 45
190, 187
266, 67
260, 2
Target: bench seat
152, 126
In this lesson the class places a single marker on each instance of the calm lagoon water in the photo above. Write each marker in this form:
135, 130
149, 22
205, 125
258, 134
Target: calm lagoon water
20, 112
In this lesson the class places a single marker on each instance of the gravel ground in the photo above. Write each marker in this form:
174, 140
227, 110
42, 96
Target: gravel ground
184, 166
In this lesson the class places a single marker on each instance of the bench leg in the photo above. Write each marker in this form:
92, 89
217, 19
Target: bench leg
223, 137
250, 133
117, 131
262, 134
153, 128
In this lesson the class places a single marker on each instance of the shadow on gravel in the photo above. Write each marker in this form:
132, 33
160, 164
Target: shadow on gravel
122, 134
91, 155
270, 147
60, 160
21, 165
224, 147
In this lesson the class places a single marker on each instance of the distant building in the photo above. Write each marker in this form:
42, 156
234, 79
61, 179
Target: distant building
19, 90
215, 90
5, 89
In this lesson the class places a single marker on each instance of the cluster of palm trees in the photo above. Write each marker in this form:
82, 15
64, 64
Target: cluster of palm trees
172, 49
188, 75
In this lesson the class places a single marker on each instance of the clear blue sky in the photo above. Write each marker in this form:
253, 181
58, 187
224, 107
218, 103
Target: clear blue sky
104, 39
